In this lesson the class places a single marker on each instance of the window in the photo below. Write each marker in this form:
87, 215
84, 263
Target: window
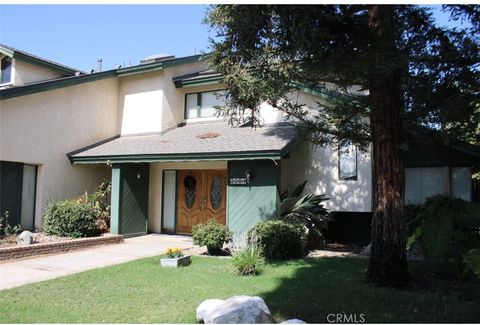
347, 162
423, 182
461, 183
6, 74
198, 105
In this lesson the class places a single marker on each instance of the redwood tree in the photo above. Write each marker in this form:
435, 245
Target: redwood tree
392, 64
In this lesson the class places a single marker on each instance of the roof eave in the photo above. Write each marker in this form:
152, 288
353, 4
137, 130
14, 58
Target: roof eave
150, 158
45, 64
54, 84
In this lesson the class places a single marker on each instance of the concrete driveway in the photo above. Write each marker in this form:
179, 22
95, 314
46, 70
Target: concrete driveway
17, 273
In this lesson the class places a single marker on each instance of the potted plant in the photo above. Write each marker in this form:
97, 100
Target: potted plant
175, 258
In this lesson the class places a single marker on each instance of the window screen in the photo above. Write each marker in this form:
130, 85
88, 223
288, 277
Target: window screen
461, 183
423, 182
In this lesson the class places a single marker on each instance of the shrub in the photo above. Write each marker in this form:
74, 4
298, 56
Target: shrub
278, 239
71, 218
309, 211
247, 260
211, 234
101, 199
6, 229
446, 229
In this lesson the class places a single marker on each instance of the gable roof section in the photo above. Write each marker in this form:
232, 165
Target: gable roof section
141, 68
36, 60
194, 142
42, 86
74, 80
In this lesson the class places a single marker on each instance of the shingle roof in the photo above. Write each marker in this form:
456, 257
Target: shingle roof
195, 142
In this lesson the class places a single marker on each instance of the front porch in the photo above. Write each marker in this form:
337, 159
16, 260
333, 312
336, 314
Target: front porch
172, 197
168, 182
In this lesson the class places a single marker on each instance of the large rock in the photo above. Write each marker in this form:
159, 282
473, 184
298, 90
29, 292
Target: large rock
293, 321
239, 310
26, 238
206, 307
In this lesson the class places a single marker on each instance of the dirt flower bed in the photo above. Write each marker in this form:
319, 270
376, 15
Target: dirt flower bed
40, 238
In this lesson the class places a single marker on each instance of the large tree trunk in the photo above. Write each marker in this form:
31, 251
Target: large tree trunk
388, 263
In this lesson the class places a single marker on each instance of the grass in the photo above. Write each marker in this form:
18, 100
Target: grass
310, 289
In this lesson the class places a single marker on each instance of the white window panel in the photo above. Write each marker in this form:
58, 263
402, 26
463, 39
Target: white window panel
192, 106
461, 183
423, 182
169, 191
347, 165
28, 196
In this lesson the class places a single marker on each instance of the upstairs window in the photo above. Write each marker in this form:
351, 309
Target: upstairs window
200, 105
347, 162
6, 73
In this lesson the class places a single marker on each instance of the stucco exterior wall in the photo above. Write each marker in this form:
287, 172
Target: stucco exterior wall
156, 188
140, 100
150, 103
174, 99
319, 166
41, 128
27, 73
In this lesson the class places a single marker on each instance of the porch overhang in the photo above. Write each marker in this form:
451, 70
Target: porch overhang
206, 142
273, 155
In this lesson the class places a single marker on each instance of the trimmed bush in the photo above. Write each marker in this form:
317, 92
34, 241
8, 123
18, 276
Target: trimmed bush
279, 239
71, 218
247, 261
211, 234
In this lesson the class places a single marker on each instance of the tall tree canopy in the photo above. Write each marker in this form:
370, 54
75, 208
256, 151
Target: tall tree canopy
394, 67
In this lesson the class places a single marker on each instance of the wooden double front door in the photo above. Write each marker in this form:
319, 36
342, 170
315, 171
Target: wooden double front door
201, 196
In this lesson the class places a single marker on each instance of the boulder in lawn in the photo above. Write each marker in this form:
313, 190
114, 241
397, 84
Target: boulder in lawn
26, 238
240, 310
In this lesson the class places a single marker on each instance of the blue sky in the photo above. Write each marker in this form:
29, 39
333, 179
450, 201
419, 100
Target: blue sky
78, 35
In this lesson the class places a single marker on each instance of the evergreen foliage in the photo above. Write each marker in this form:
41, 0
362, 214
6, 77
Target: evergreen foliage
379, 68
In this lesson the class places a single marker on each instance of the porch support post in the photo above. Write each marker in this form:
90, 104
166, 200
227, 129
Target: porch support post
115, 200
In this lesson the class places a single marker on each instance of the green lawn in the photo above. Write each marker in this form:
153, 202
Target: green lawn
309, 289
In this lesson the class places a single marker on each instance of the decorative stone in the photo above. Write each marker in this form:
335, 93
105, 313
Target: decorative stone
26, 238
175, 262
240, 310
206, 308
293, 321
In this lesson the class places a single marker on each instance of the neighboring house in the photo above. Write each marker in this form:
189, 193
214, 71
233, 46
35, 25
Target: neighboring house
152, 130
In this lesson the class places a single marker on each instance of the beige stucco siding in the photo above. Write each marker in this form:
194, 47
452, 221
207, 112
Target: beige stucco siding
41, 128
150, 103
27, 73
155, 190
174, 99
140, 103
319, 166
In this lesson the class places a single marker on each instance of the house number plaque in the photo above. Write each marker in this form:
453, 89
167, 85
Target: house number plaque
238, 181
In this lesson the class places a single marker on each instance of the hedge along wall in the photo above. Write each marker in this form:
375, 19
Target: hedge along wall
251, 203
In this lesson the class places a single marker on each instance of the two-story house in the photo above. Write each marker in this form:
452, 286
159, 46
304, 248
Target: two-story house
152, 130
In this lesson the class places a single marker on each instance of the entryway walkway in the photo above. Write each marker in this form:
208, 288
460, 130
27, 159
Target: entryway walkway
17, 273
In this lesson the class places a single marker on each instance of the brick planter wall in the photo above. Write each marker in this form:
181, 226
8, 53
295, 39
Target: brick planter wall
10, 253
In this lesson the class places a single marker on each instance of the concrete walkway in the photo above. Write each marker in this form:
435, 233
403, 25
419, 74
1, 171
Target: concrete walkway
17, 273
